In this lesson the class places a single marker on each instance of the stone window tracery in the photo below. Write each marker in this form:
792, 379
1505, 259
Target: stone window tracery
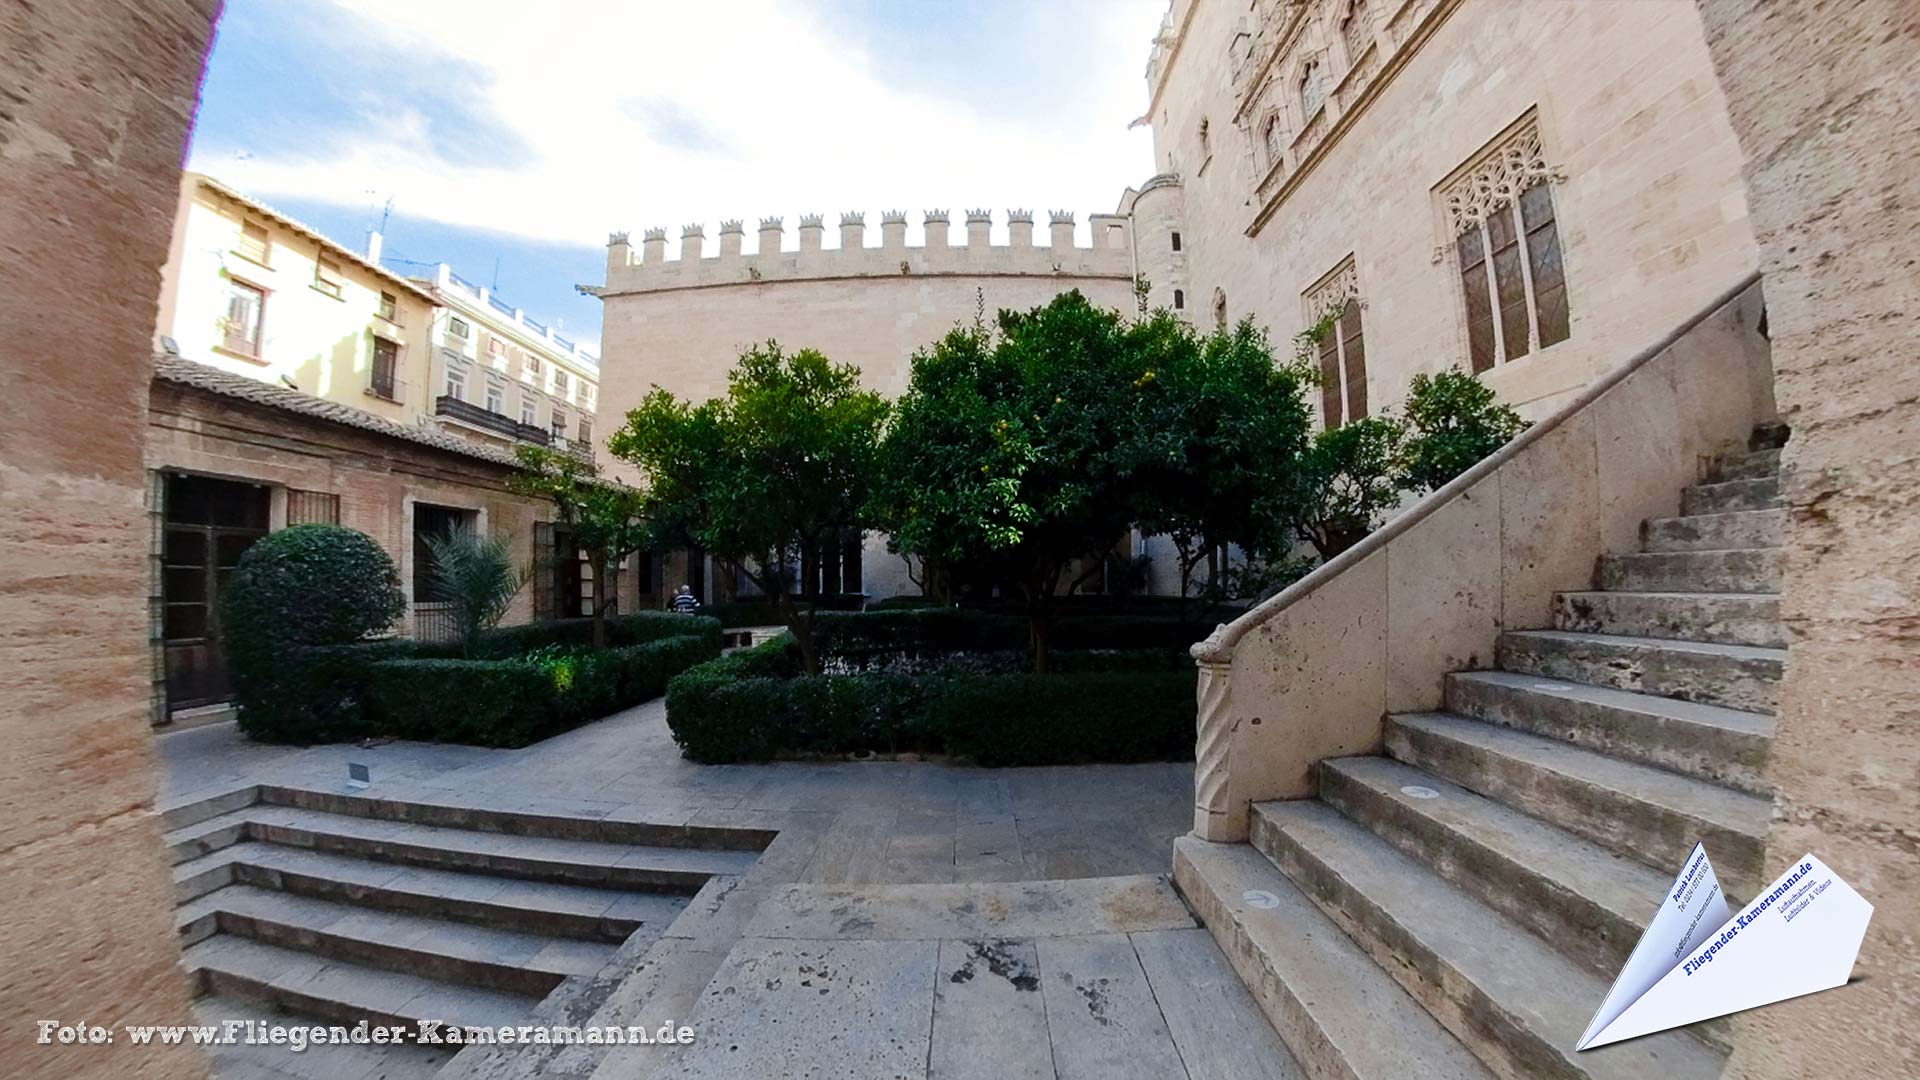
1507, 242
1356, 30
1342, 353
1313, 90
1272, 138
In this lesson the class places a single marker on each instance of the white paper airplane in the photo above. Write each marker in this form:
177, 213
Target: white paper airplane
1696, 960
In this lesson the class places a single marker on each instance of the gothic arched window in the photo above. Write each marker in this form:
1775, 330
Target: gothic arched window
1313, 91
1270, 137
1356, 29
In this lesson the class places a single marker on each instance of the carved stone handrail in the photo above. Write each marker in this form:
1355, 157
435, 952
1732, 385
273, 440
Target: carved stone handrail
1309, 673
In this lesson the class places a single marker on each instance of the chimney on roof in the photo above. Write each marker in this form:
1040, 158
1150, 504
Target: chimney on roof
373, 246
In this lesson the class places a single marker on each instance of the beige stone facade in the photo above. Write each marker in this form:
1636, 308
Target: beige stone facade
680, 323
1311, 151
99, 98
1823, 94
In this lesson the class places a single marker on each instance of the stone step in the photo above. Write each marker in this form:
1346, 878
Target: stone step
1646, 814
344, 993
1516, 1002
1721, 746
455, 952
1339, 1012
549, 818
1716, 532
1743, 570
1723, 618
531, 858
1735, 676
1750, 465
1760, 493
538, 907
1590, 903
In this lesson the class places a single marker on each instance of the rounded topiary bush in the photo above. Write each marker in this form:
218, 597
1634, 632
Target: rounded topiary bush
293, 593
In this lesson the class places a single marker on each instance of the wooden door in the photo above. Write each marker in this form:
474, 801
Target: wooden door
209, 525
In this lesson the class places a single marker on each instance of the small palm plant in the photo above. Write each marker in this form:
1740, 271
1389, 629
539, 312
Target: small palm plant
475, 576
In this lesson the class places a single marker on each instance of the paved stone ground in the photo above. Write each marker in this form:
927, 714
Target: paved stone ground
881, 821
912, 919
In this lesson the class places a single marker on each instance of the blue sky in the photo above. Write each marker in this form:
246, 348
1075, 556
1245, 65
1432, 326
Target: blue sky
508, 138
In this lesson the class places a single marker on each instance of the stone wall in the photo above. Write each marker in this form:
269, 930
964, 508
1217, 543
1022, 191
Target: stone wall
1309, 674
681, 323
1823, 95
1648, 199
98, 98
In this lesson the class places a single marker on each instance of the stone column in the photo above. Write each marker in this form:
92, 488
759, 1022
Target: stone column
98, 101
1212, 797
1823, 95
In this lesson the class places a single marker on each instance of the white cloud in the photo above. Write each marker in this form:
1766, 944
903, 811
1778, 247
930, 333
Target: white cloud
640, 114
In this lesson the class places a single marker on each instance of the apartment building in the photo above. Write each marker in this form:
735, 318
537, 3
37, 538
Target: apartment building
500, 377
253, 292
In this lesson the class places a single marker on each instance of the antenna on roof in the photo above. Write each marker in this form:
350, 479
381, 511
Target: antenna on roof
494, 286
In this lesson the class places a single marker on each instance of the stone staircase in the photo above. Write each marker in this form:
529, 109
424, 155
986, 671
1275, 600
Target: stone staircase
342, 907
1458, 906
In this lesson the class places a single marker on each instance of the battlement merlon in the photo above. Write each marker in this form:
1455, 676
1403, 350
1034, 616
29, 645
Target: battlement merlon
650, 268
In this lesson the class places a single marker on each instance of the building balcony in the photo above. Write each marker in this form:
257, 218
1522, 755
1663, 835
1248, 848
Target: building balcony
452, 408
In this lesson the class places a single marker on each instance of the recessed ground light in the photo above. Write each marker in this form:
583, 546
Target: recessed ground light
1419, 791
1260, 898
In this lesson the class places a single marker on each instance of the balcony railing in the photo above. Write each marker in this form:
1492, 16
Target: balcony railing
505, 426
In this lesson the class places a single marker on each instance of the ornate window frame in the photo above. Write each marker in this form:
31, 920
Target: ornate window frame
1492, 179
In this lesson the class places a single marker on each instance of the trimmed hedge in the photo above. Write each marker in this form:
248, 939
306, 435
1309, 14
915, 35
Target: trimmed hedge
518, 701
753, 706
326, 693
857, 637
304, 586
735, 613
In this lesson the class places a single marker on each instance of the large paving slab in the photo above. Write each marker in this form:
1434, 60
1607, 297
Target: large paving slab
819, 1010
1020, 909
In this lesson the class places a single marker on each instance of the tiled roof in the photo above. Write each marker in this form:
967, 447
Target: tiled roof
183, 372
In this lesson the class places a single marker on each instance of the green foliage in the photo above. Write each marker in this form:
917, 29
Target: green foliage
518, 701
475, 575
767, 477
1454, 422
304, 586
1113, 716
1218, 443
860, 638
607, 519
764, 612
325, 693
753, 706
1008, 457
1349, 477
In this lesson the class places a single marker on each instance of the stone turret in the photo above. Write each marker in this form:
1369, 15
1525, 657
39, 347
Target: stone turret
693, 242
619, 251
853, 231
936, 226
771, 229
731, 234
1020, 228
893, 229
1060, 229
811, 230
654, 247
979, 228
